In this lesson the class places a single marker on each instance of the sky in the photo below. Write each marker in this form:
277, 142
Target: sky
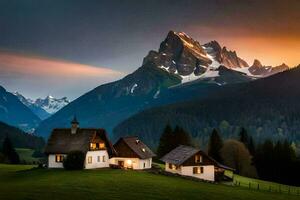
68, 47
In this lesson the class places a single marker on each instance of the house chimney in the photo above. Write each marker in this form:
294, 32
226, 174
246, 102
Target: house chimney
74, 125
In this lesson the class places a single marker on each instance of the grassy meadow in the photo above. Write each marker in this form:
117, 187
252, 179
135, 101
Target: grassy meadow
24, 182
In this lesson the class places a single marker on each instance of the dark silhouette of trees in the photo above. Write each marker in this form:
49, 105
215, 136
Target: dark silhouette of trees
9, 153
165, 145
277, 162
171, 139
215, 145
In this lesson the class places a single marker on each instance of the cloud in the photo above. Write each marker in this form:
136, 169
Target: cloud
39, 76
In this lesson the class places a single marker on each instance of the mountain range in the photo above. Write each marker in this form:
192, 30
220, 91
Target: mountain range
264, 107
43, 107
182, 69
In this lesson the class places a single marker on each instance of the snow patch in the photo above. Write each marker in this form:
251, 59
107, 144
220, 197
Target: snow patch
133, 87
156, 94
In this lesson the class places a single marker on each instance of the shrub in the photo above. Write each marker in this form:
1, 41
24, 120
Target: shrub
74, 160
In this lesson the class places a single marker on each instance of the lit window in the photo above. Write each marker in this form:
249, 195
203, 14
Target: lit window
201, 170
143, 150
198, 158
103, 159
93, 146
59, 158
102, 145
198, 170
90, 159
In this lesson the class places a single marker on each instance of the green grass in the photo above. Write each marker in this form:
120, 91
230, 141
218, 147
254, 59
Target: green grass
22, 182
262, 185
26, 155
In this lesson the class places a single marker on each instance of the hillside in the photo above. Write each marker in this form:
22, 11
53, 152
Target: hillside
114, 184
14, 112
267, 108
19, 138
180, 62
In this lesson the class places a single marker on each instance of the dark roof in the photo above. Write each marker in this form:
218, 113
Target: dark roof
63, 141
137, 146
182, 153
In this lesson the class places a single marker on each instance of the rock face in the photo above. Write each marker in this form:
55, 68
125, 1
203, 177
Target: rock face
259, 70
225, 57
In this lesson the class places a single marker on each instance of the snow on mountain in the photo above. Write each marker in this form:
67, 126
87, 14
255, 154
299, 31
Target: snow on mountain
186, 58
43, 107
51, 104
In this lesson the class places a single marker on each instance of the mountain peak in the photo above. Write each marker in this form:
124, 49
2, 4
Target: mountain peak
257, 63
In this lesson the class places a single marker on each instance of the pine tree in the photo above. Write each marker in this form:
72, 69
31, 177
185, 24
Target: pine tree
165, 143
215, 145
251, 146
10, 154
244, 137
181, 137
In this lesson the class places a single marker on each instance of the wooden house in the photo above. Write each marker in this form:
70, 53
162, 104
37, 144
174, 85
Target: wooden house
132, 153
93, 142
189, 161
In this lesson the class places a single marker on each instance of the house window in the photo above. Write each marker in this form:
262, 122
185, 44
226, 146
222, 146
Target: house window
198, 170
201, 170
59, 158
103, 159
102, 145
144, 165
170, 166
98, 158
90, 159
198, 159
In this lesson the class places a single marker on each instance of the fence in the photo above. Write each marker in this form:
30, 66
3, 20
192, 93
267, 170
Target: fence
264, 185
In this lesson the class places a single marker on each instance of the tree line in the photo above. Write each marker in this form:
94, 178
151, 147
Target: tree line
8, 153
267, 160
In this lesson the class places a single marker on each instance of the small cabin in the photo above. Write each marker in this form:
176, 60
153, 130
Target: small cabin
132, 153
189, 161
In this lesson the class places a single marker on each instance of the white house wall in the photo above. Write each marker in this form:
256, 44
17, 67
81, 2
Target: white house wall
95, 163
208, 172
52, 163
134, 163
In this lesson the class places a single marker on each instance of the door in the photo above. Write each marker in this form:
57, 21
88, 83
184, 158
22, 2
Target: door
121, 163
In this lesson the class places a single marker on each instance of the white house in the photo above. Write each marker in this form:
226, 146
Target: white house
132, 154
93, 142
189, 161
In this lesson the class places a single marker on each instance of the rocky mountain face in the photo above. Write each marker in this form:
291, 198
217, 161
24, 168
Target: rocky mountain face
43, 108
259, 70
181, 69
14, 112
181, 55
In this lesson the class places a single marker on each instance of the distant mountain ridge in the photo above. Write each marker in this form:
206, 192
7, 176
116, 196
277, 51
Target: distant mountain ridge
181, 69
14, 112
43, 108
